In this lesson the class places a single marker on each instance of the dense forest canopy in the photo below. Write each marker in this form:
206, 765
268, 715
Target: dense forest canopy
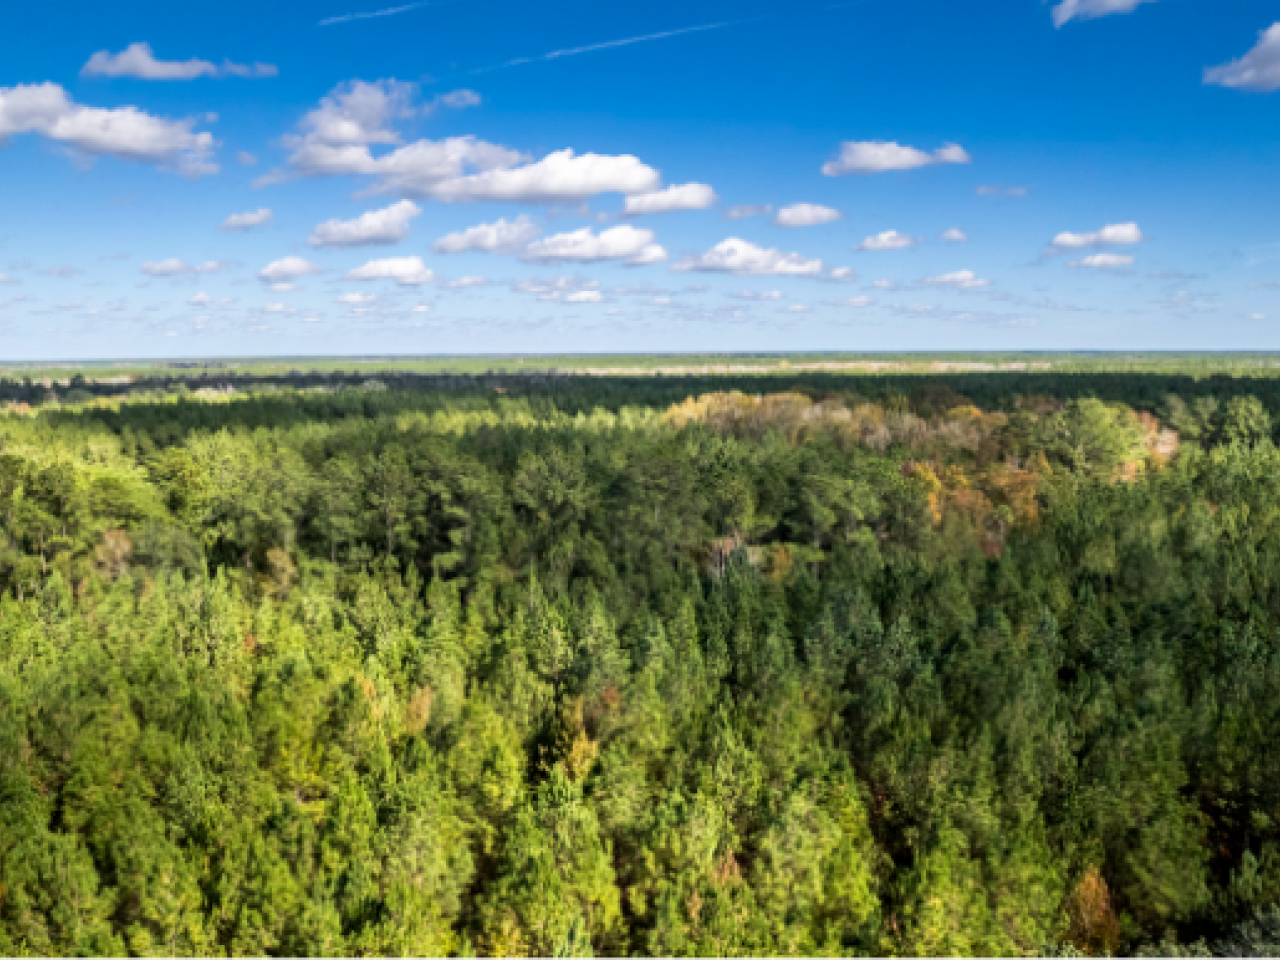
975, 663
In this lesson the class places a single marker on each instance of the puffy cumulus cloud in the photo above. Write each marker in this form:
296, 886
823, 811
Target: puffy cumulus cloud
888, 240
557, 178
882, 156
584, 296
504, 236
805, 215
1069, 10
139, 62
355, 299
337, 138
174, 267
247, 221
1103, 261
360, 112
286, 270
842, 274
406, 271
466, 283
652, 253
1114, 233
624, 242
688, 196
125, 133
388, 225
748, 210
746, 259
954, 236
1258, 71
960, 280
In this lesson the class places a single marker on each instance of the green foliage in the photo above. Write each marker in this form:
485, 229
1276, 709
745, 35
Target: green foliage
587, 668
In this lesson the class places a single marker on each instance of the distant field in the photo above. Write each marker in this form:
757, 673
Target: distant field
668, 365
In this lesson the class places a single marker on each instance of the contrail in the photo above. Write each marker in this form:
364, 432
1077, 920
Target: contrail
389, 12
575, 51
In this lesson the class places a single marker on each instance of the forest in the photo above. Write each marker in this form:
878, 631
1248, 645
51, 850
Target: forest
489, 665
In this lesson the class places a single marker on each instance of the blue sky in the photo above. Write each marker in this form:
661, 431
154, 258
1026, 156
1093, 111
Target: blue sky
375, 176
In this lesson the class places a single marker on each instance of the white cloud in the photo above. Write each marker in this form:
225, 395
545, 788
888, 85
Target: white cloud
1113, 233
247, 221
246, 159
653, 253
748, 210
842, 274
858, 302
585, 296
125, 133
624, 242
758, 295
1258, 71
505, 236
203, 299
884, 284
1103, 261
335, 139
888, 240
796, 308
360, 112
336, 136
286, 269
388, 225
1089, 9
805, 215
457, 100
960, 280
281, 308
557, 288
137, 61
689, 196
422, 308
355, 299
464, 283
746, 259
879, 156
406, 271
174, 267
954, 236
993, 190
557, 178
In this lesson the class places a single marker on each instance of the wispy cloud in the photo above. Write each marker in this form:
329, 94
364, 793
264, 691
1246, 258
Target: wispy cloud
610, 44
388, 12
